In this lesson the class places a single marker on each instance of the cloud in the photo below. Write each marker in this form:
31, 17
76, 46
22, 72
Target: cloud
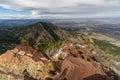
62, 8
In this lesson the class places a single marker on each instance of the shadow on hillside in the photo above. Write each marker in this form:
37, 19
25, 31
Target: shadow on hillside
97, 77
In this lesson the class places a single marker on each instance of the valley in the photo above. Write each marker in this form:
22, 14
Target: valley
106, 27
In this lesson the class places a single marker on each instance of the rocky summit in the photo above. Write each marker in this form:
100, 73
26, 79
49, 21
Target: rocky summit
24, 62
70, 62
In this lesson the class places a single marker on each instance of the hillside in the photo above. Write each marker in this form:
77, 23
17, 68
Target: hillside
8, 40
40, 35
104, 38
43, 32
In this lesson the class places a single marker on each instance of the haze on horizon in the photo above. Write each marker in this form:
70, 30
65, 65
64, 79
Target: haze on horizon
59, 9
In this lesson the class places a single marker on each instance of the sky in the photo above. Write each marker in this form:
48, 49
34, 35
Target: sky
59, 9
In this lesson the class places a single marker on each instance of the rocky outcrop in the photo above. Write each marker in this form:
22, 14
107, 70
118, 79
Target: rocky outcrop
79, 69
78, 65
17, 63
70, 62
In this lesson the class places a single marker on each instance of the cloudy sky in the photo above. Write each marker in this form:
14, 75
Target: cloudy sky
36, 9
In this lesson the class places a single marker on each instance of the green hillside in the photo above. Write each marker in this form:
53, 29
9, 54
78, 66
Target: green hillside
107, 47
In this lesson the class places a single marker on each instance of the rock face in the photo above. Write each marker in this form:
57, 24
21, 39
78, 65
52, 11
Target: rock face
16, 63
77, 65
71, 62
78, 69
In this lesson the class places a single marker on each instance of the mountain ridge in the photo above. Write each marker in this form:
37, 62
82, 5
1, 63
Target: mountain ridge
49, 52
38, 34
29, 66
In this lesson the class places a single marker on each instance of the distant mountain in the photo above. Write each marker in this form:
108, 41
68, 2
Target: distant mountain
42, 32
38, 35
42, 35
17, 23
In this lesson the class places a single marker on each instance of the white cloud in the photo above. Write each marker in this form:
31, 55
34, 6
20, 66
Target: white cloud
62, 8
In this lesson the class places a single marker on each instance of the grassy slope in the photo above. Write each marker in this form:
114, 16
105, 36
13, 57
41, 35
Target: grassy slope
107, 47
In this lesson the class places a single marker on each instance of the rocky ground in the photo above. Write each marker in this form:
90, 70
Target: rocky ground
71, 62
